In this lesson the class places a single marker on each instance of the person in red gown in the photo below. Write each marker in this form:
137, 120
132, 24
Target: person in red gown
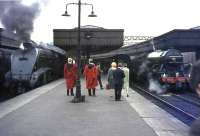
91, 73
70, 73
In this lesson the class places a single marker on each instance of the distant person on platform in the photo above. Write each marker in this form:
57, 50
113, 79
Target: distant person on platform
110, 79
99, 75
126, 79
195, 84
70, 72
91, 73
118, 76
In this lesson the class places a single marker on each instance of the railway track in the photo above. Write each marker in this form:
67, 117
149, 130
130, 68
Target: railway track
189, 100
184, 109
191, 96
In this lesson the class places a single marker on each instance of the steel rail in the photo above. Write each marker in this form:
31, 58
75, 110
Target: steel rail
167, 103
188, 100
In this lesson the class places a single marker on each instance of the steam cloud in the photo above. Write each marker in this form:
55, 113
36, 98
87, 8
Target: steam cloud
143, 68
19, 18
154, 86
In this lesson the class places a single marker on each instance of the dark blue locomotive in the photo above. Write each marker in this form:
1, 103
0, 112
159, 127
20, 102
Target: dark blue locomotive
166, 68
34, 66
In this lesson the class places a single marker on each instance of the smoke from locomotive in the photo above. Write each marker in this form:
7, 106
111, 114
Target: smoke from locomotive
19, 18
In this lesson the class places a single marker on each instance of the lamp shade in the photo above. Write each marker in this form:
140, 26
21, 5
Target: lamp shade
92, 14
66, 14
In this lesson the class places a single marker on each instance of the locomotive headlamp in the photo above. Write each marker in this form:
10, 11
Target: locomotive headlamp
177, 74
164, 75
189, 75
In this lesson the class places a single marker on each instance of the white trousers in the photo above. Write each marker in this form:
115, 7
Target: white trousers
126, 90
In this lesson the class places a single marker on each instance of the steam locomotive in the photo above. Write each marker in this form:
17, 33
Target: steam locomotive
34, 66
164, 67
23, 69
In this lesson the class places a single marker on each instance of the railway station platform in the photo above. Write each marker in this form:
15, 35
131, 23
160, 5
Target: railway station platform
47, 111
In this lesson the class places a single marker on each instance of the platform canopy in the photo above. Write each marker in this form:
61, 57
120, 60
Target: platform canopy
93, 39
184, 40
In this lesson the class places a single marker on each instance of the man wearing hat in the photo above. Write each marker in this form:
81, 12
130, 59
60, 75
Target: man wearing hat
70, 72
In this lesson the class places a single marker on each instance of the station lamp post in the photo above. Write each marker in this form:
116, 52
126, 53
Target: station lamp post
78, 98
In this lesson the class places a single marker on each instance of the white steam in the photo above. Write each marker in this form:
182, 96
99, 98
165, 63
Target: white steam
154, 86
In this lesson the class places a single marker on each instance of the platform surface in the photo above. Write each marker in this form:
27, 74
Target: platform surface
47, 111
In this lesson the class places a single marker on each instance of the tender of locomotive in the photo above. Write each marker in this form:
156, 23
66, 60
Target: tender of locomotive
34, 66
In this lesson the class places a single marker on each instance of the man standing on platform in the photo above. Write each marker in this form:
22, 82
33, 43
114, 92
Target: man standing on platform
70, 73
91, 73
118, 77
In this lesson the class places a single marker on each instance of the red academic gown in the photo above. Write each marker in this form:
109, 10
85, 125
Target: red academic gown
70, 75
91, 76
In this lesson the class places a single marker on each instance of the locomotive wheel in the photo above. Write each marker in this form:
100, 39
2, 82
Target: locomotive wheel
12, 90
45, 78
39, 82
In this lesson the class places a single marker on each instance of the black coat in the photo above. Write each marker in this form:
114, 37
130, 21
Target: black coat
118, 76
